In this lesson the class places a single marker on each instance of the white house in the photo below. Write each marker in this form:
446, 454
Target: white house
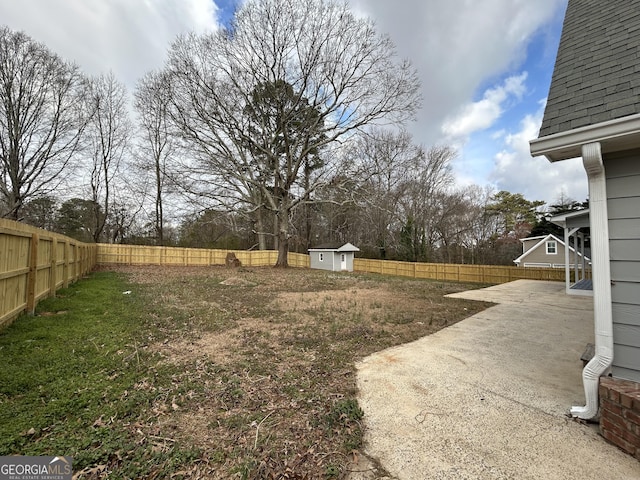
333, 257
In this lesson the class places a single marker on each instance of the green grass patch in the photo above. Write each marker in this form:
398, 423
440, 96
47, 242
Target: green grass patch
77, 376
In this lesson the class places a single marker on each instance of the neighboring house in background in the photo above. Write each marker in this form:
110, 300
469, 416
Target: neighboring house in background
593, 112
548, 251
333, 257
575, 226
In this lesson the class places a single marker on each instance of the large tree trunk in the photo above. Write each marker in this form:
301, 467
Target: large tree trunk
307, 244
283, 242
262, 236
159, 212
276, 233
14, 203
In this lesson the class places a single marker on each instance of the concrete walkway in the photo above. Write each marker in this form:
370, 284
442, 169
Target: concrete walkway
488, 398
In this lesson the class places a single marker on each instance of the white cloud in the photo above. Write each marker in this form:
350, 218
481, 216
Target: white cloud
484, 113
459, 45
536, 178
462, 48
129, 37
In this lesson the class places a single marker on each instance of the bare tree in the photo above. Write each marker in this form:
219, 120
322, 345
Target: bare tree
157, 145
389, 158
41, 120
429, 177
316, 75
484, 225
108, 135
453, 224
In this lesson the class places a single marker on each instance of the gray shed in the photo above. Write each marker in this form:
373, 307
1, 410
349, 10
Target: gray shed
334, 257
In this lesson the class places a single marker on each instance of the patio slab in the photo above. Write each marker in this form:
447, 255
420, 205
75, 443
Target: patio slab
488, 397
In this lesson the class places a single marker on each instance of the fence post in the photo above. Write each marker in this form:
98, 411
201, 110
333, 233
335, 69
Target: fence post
54, 266
33, 273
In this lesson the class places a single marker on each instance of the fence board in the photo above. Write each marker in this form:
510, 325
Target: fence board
492, 274
34, 263
108, 254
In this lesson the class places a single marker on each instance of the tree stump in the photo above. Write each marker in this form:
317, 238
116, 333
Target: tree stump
232, 261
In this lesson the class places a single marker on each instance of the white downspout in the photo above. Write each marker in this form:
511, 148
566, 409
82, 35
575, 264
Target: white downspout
567, 269
576, 275
603, 319
583, 276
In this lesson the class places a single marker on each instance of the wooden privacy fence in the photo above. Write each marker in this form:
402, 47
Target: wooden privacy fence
34, 263
145, 255
194, 257
457, 273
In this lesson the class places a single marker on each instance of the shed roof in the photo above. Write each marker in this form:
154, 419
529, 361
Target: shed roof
596, 76
336, 247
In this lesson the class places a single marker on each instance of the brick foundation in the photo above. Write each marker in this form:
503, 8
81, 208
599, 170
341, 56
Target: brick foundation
620, 413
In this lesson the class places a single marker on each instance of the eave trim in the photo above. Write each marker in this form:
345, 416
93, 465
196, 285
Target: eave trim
613, 135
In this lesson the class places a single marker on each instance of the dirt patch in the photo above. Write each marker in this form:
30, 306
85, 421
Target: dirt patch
216, 347
371, 301
221, 347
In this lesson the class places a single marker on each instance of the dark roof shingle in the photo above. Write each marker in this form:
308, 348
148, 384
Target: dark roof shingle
597, 70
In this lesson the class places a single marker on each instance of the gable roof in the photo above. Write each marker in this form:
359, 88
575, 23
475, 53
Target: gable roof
542, 241
336, 247
526, 239
595, 87
595, 79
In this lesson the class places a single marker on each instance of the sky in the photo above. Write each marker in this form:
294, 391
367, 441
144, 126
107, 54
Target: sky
485, 68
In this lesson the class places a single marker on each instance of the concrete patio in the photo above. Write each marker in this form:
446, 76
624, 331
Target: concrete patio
488, 398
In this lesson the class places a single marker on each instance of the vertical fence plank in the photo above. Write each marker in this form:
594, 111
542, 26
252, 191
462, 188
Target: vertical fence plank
65, 267
54, 267
76, 266
33, 272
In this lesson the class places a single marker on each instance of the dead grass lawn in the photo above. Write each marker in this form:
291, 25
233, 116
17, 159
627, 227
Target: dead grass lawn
274, 352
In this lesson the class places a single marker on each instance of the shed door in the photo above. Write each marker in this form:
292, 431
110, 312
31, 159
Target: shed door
343, 261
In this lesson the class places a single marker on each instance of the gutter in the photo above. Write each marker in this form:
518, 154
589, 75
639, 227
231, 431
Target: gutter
603, 318
616, 134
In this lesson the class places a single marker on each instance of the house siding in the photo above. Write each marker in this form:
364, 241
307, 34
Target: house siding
529, 244
623, 192
325, 264
539, 255
331, 260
